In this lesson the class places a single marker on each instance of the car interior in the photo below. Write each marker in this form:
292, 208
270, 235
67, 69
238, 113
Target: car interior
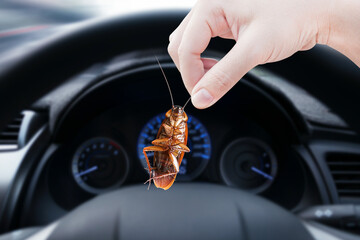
278, 157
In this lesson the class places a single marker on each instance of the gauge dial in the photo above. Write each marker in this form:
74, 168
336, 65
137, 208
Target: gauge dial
199, 143
99, 165
249, 164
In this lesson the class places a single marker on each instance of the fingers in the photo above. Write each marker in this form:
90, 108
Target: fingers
195, 39
175, 39
226, 73
206, 79
187, 43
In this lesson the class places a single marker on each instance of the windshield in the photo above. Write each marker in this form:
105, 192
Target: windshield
26, 21
25, 13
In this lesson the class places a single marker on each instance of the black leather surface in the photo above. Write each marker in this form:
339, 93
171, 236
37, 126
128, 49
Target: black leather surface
186, 211
329, 76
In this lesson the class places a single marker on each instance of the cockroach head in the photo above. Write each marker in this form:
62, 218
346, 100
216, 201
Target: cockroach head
178, 110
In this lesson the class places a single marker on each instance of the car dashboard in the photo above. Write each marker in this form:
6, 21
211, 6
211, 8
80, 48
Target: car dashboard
86, 138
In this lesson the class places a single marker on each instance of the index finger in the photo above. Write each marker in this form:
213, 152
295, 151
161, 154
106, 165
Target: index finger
195, 40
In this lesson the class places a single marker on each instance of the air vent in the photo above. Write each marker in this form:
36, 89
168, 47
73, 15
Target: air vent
345, 169
9, 137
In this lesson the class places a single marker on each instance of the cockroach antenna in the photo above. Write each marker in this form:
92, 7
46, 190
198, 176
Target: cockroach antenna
186, 103
172, 100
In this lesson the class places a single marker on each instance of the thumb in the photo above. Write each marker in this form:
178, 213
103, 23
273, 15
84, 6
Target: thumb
224, 74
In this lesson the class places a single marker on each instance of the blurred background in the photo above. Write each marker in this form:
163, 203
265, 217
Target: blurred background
19, 19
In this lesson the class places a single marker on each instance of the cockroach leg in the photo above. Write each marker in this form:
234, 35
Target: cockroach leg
168, 129
152, 149
161, 176
162, 142
181, 147
174, 162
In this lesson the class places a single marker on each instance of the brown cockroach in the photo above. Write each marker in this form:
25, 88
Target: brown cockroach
169, 146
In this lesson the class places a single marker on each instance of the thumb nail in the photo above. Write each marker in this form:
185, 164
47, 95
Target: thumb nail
202, 98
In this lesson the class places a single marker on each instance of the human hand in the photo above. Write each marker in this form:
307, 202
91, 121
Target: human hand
264, 31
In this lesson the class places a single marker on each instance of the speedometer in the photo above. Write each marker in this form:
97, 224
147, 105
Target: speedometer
99, 165
199, 143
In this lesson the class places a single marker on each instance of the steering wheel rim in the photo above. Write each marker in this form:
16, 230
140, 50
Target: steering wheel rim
203, 211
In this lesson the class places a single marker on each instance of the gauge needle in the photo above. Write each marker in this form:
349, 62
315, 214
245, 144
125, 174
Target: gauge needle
265, 175
89, 170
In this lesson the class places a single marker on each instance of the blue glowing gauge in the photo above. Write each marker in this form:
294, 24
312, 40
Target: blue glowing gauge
99, 165
199, 143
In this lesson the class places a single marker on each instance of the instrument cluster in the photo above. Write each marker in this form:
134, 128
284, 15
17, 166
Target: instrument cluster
244, 141
106, 155
101, 164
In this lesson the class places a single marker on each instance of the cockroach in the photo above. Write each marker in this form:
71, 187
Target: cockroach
169, 146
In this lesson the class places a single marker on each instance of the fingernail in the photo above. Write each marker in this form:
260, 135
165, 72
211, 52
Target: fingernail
202, 98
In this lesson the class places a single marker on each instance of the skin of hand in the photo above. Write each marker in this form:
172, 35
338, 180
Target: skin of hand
264, 31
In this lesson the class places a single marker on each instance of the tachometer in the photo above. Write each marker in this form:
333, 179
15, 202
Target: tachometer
249, 164
99, 165
199, 143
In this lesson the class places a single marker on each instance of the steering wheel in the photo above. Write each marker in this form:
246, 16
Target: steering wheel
196, 211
